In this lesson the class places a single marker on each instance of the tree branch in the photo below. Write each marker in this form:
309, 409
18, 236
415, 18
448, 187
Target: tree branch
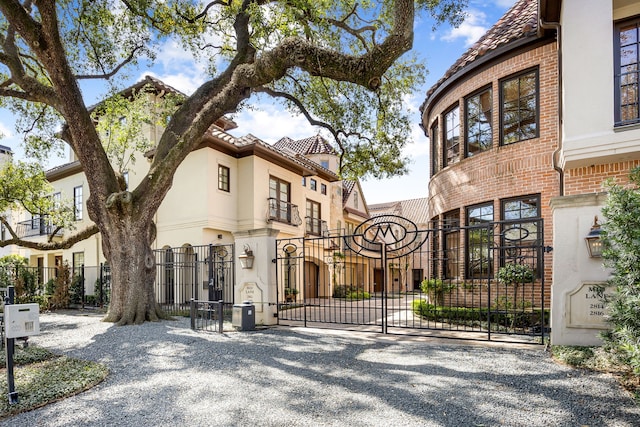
49, 245
107, 76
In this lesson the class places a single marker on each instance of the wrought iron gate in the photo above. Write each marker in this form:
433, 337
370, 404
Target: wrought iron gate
198, 272
485, 281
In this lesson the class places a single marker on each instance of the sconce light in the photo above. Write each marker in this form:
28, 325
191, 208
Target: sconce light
246, 258
594, 242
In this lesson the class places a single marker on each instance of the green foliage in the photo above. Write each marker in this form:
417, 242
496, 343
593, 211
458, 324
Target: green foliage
60, 297
76, 289
15, 272
436, 289
621, 238
23, 187
121, 120
102, 292
474, 316
514, 274
343, 291
358, 295
45, 377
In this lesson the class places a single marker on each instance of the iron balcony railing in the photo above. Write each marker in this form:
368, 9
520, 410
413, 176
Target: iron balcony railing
282, 211
37, 227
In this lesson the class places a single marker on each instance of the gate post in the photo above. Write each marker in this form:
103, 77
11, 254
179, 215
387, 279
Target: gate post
257, 283
385, 283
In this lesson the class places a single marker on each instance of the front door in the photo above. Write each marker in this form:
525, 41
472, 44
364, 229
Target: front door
311, 280
378, 277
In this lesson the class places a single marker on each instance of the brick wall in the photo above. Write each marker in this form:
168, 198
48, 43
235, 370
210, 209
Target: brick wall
502, 172
589, 179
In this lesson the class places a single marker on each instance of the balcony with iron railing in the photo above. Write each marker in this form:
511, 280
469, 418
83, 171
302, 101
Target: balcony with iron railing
36, 227
282, 211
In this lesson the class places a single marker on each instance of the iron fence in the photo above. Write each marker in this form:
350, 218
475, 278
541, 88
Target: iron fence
194, 272
392, 277
207, 315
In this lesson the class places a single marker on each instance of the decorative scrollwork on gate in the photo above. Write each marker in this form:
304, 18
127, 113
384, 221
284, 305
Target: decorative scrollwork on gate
397, 235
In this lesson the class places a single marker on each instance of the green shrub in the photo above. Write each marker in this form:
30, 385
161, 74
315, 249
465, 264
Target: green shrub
60, 296
358, 295
436, 289
477, 316
621, 240
76, 289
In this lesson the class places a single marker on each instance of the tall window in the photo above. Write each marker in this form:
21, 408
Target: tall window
314, 223
435, 139
313, 184
451, 241
77, 202
77, 261
478, 122
323, 188
279, 206
627, 67
452, 136
479, 237
521, 231
355, 200
223, 178
519, 107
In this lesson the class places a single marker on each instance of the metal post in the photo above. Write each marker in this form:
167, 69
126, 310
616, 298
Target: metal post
383, 257
210, 268
192, 313
220, 316
10, 343
101, 287
82, 282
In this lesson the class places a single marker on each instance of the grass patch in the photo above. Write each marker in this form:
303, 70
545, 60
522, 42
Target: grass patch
42, 377
598, 359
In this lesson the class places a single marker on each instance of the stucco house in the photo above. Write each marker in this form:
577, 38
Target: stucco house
599, 139
226, 192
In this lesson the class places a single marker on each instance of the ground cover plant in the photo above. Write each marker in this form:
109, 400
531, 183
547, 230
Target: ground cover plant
600, 360
43, 377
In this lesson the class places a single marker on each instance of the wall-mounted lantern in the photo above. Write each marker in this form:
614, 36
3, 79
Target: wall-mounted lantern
594, 242
246, 258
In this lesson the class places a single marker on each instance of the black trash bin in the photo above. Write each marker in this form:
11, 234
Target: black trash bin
243, 316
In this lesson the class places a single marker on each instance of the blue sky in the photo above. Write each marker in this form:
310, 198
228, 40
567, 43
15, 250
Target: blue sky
438, 49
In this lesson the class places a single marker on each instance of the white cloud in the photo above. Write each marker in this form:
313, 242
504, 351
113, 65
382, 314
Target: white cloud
271, 122
5, 131
505, 3
473, 27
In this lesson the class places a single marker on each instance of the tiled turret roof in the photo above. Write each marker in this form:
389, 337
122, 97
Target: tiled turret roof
519, 22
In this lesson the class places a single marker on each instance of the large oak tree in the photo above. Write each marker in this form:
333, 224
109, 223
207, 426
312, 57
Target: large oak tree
341, 63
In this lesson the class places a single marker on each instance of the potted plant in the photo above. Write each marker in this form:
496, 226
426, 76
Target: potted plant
290, 294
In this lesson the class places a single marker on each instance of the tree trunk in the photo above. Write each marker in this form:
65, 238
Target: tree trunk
127, 247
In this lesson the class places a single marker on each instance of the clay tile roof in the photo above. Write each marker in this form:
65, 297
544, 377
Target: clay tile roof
413, 209
313, 145
347, 188
519, 22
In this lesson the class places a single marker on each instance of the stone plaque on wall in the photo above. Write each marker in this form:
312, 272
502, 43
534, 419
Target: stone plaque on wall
585, 306
250, 291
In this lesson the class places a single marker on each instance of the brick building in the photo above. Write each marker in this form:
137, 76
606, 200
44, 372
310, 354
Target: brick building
492, 124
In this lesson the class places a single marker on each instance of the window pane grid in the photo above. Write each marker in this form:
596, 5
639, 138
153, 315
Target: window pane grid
452, 137
478, 119
628, 65
478, 253
519, 108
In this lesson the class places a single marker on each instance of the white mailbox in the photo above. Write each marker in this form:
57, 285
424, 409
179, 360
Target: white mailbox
21, 320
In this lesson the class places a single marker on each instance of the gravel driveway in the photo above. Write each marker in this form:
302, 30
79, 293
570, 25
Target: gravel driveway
165, 374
